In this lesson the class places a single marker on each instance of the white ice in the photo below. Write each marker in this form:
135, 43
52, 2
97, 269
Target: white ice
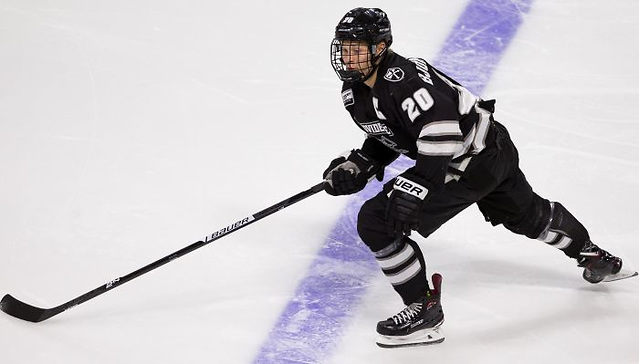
130, 129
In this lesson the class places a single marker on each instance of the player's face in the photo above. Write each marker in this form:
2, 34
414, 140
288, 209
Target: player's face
356, 56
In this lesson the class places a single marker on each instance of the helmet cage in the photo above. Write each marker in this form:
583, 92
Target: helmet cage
364, 66
369, 25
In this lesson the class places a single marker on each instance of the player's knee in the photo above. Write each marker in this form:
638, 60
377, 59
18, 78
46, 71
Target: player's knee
371, 225
551, 223
533, 221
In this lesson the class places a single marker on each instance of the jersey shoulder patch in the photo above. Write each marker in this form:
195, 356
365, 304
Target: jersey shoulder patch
394, 74
347, 97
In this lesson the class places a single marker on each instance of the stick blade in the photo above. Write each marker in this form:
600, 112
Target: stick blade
18, 309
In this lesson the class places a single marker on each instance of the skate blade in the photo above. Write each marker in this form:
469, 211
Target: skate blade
621, 275
422, 337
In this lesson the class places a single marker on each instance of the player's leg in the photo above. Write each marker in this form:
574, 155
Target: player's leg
402, 262
514, 204
553, 224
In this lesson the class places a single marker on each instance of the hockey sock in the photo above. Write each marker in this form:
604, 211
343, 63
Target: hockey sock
403, 264
564, 231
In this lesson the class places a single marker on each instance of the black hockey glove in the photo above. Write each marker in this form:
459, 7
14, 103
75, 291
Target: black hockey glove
345, 176
404, 203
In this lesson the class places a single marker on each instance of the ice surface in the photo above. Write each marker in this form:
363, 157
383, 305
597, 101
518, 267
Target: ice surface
129, 130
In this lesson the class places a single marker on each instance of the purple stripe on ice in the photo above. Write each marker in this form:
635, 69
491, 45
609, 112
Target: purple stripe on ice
472, 51
310, 326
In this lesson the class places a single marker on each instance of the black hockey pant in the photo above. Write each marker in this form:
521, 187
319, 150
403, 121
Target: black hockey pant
495, 182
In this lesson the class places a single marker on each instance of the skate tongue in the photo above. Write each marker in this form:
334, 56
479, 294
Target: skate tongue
437, 283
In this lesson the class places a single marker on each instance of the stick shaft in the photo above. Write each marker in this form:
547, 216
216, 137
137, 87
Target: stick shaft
24, 311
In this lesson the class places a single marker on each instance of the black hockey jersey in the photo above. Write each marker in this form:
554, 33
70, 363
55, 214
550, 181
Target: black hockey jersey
416, 110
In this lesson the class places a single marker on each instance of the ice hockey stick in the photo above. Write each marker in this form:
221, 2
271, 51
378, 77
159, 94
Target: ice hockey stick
24, 311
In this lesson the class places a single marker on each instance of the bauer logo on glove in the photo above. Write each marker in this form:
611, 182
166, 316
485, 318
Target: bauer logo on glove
410, 187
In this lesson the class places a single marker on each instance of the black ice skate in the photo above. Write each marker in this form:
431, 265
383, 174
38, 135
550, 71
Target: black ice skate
599, 265
418, 324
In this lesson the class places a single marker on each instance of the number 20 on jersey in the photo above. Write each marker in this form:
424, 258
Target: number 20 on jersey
420, 102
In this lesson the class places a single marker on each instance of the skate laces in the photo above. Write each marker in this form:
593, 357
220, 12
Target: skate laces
408, 313
590, 251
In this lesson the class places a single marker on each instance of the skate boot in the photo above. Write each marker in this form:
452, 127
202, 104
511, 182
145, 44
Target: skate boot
598, 264
418, 324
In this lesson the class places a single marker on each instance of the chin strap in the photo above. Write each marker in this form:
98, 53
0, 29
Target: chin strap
375, 61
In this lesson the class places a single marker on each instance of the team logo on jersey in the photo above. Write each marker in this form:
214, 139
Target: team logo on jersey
347, 97
394, 74
376, 128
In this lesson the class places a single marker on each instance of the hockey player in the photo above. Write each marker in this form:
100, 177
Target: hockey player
462, 156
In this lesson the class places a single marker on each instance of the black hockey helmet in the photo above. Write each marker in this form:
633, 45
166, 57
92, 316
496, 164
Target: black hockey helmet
370, 25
